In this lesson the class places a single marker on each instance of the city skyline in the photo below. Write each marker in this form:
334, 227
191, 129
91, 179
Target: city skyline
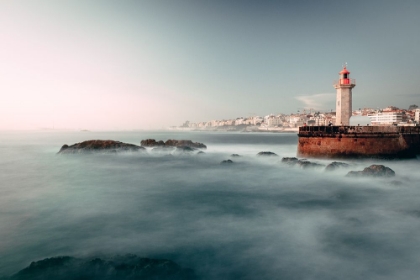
152, 64
390, 115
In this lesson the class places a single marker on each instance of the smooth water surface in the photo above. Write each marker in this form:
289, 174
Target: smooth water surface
254, 219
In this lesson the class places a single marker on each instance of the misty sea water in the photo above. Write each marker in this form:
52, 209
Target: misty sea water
254, 219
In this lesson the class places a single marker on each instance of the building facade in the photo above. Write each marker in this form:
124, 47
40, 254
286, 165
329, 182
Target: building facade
417, 116
385, 118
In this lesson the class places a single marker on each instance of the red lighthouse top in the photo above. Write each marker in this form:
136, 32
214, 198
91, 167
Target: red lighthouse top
345, 79
344, 71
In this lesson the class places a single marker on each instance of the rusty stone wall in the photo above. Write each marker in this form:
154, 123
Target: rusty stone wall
359, 142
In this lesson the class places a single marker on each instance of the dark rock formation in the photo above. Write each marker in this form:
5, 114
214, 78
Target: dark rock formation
109, 146
235, 155
201, 153
151, 143
373, 171
267, 154
172, 143
305, 164
289, 160
228, 161
120, 267
335, 165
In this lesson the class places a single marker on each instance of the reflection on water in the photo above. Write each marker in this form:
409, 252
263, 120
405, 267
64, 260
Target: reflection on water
254, 219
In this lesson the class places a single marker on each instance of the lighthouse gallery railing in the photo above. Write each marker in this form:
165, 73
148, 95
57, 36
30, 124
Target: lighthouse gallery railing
345, 82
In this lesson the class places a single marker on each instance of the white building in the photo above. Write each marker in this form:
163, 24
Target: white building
385, 118
417, 116
256, 120
239, 121
296, 121
230, 122
248, 121
274, 121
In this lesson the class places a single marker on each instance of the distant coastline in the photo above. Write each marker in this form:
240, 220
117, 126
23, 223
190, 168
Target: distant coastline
236, 128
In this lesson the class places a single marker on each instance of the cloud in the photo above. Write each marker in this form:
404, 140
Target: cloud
317, 101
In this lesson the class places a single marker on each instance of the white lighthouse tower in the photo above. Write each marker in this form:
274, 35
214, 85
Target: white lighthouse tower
344, 98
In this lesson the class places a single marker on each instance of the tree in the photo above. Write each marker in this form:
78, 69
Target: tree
412, 107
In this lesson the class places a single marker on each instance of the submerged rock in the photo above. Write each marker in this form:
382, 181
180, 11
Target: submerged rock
109, 146
266, 153
396, 183
290, 160
185, 149
228, 161
235, 155
120, 267
163, 149
373, 171
335, 165
304, 164
172, 143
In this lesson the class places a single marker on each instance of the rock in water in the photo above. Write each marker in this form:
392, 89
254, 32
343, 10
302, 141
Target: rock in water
302, 163
305, 164
184, 149
120, 267
99, 146
172, 143
373, 171
162, 149
151, 143
228, 161
335, 165
289, 160
267, 154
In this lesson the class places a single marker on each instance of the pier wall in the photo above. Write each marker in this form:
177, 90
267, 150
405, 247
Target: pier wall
358, 142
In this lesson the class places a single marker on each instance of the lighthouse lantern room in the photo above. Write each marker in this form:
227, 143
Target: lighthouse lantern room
344, 97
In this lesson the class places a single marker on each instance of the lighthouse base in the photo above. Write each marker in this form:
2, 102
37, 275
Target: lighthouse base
359, 142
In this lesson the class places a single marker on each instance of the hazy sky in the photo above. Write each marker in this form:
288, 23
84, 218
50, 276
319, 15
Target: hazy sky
150, 64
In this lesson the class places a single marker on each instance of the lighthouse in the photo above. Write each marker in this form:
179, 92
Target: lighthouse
343, 104
345, 141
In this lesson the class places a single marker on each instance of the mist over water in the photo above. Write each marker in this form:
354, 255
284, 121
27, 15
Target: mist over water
254, 219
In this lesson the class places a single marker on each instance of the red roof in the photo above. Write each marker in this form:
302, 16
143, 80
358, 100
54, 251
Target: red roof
344, 71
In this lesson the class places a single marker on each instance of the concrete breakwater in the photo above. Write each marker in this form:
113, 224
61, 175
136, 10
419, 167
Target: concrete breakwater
358, 142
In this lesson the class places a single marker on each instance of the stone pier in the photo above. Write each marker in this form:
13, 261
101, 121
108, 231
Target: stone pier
358, 142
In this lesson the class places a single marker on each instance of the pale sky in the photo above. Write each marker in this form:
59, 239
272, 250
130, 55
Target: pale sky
113, 65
